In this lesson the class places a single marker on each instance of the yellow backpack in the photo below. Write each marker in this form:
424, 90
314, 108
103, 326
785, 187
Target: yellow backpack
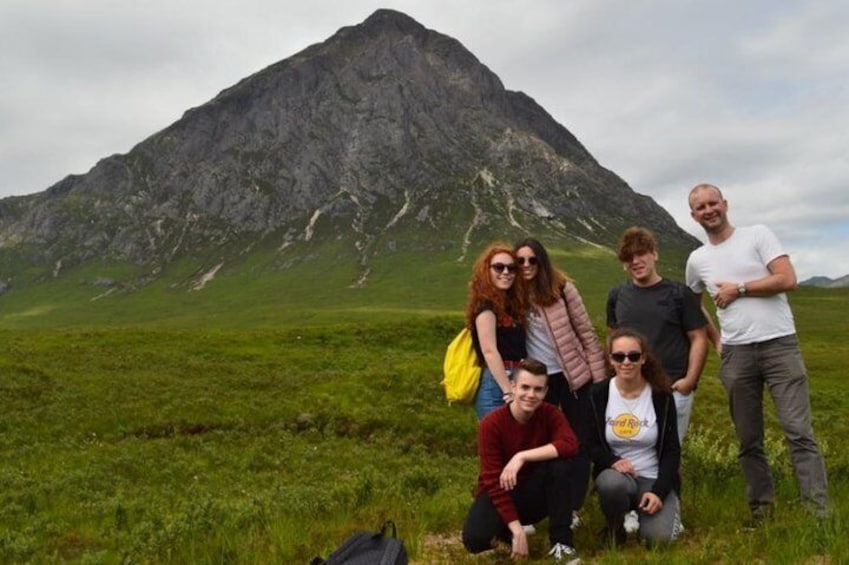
461, 370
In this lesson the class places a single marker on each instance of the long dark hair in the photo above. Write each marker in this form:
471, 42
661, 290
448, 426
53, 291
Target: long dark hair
547, 286
652, 370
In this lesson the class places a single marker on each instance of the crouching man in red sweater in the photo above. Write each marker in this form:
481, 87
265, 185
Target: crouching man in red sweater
525, 450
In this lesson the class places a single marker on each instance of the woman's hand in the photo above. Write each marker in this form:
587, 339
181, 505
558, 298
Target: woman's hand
624, 466
650, 503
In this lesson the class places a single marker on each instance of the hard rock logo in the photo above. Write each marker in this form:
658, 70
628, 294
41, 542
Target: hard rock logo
625, 425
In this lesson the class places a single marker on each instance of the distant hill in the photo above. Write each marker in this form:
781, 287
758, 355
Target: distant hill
355, 162
825, 282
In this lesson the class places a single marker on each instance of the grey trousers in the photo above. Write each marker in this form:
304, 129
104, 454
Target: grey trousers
619, 493
776, 363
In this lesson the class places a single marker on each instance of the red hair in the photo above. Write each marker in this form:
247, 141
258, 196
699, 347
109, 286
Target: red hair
483, 293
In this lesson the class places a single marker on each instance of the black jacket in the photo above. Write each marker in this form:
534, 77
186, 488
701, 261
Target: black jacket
668, 447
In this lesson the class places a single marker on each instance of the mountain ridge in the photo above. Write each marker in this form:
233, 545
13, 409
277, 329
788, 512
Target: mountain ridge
387, 136
826, 282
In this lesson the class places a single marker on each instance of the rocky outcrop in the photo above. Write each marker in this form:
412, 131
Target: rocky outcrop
385, 127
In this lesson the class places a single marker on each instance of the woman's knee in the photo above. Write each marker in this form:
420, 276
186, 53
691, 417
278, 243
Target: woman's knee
652, 534
665, 526
612, 482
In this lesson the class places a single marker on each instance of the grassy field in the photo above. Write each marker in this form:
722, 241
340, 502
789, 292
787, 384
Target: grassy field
218, 443
268, 288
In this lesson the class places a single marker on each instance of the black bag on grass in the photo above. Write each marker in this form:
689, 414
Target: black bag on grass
369, 548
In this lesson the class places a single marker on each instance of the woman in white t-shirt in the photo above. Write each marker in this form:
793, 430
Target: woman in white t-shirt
634, 443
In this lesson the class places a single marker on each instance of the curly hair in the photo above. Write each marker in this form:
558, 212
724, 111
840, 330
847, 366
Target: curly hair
635, 241
483, 294
652, 370
546, 288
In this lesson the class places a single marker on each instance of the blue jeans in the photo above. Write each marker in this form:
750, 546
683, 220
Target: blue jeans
490, 395
776, 363
684, 409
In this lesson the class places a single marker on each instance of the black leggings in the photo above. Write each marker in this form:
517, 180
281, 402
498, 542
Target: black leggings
575, 406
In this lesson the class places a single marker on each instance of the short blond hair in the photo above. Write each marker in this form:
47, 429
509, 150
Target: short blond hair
703, 186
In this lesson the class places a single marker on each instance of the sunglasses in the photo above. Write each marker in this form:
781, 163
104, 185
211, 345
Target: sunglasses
528, 260
632, 356
501, 267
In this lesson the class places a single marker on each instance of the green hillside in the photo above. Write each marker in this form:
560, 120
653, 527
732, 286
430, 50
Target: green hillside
273, 288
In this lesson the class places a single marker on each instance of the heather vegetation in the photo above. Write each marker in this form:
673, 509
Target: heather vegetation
210, 444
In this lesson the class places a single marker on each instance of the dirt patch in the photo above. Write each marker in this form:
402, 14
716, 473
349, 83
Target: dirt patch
445, 548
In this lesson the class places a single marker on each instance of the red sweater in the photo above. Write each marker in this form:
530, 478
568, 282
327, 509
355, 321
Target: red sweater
500, 437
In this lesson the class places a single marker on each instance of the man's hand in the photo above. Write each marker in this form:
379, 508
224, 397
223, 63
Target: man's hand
510, 473
519, 549
650, 503
684, 386
726, 293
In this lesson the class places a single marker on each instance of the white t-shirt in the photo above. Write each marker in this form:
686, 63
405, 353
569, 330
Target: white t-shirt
743, 257
538, 343
631, 430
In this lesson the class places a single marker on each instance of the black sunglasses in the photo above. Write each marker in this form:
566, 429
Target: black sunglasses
632, 356
529, 260
501, 267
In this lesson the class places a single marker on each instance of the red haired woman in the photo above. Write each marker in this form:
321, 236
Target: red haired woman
496, 315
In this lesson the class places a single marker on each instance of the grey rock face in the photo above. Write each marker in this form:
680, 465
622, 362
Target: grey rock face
386, 126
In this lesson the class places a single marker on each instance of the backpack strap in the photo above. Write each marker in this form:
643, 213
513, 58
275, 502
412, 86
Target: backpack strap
386, 526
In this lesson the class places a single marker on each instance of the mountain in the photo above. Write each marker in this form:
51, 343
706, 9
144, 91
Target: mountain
386, 138
825, 282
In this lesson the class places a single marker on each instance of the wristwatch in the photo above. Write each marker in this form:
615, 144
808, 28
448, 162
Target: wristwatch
741, 289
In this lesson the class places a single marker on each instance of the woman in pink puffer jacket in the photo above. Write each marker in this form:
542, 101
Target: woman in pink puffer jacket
560, 335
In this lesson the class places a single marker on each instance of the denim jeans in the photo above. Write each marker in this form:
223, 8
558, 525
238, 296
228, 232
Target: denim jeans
490, 395
683, 408
776, 363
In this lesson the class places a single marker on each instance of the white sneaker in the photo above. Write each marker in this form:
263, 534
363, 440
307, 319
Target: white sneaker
632, 522
577, 521
529, 529
565, 554
677, 527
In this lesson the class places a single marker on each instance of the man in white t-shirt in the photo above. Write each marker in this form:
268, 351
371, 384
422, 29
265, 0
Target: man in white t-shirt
746, 272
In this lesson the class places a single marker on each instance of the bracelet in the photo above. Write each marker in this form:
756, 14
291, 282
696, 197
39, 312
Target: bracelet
506, 396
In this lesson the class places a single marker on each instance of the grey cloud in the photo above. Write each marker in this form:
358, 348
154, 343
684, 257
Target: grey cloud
751, 95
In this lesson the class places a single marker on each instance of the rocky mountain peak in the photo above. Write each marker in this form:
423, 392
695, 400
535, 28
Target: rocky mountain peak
387, 132
385, 20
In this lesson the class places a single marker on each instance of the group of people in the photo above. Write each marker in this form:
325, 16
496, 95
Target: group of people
555, 407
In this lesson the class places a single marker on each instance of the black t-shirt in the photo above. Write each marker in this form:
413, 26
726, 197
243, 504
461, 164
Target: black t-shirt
663, 313
509, 337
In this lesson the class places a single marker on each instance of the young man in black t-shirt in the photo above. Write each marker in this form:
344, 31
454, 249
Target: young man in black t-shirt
666, 312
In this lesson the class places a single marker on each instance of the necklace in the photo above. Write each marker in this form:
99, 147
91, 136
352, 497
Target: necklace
630, 401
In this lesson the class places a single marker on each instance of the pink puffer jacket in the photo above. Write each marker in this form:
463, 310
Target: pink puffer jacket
576, 342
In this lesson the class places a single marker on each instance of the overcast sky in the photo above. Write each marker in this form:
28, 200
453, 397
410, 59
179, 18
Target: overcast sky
752, 96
